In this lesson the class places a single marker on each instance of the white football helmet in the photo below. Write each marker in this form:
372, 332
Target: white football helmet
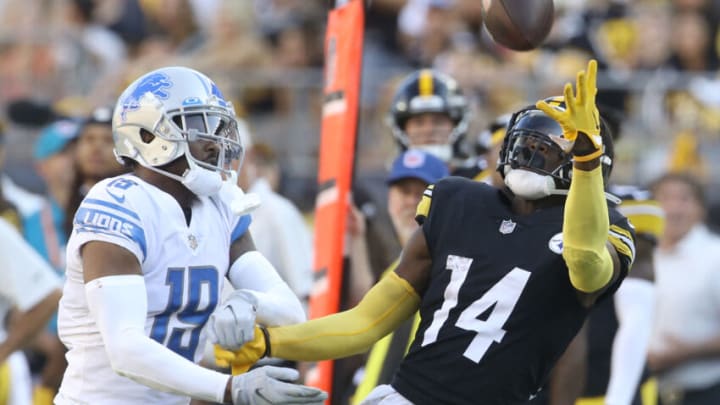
178, 105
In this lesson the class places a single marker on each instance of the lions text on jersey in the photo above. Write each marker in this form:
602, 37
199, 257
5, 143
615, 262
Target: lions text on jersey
183, 267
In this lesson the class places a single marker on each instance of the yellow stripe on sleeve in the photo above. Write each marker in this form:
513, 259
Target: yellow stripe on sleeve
423, 208
623, 241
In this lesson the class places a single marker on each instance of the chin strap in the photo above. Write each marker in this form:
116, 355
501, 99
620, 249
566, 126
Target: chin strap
197, 179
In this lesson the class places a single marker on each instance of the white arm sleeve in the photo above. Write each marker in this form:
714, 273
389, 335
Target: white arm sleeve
119, 306
634, 306
276, 303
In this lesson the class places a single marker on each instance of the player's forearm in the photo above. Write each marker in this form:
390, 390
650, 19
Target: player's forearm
703, 350
28, 324
383, 308
569, 375
277, 304
119, 307
585, 230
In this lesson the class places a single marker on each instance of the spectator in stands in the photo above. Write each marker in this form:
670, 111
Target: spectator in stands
94, 158
279, 230
54, 156
29, 294
685, 344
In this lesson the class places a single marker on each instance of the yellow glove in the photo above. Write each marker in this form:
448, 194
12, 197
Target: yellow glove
580, 114
224, 358
241, 360
43, 395
6, 382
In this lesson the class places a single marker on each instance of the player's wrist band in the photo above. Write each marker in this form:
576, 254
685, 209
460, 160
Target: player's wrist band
588, 157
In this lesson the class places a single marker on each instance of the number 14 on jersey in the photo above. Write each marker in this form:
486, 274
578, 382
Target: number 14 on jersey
504, 295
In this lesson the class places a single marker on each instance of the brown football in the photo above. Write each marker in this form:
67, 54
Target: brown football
520, 25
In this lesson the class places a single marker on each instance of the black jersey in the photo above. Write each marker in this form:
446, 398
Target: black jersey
499, 309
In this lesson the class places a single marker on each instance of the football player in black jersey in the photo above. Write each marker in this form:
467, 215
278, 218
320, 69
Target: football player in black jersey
503, 279
385, 356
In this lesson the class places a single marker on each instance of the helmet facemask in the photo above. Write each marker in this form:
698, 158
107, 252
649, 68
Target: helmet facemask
531, 151
217, 127
536, 166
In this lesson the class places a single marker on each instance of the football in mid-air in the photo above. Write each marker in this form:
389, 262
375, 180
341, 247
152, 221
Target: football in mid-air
520, 25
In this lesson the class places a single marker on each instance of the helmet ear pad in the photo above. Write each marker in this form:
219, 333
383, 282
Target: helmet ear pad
137, 139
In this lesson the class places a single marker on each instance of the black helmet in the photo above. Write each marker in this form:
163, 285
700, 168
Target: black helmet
534, 123
428, 91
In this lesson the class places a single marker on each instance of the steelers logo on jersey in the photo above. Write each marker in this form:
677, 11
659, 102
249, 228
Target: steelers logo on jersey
555, 243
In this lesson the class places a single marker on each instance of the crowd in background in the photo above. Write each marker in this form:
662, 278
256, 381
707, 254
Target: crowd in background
66, 58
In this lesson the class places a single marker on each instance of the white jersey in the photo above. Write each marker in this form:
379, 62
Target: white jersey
183, 267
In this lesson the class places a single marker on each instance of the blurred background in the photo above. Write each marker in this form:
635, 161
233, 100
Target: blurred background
658, 71
61, 61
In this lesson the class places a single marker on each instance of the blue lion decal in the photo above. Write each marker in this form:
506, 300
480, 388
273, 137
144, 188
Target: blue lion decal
155, 83
217, 93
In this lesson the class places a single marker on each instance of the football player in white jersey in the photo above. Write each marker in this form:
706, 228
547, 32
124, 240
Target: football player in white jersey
149, 252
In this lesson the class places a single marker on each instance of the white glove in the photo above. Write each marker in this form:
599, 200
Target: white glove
233, 324
271, 385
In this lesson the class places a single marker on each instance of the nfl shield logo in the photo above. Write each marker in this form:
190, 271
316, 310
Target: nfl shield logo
192, 242
555, 243
507, 226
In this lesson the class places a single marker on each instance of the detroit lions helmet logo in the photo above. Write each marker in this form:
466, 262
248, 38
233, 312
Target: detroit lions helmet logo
217, 93
155, 83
